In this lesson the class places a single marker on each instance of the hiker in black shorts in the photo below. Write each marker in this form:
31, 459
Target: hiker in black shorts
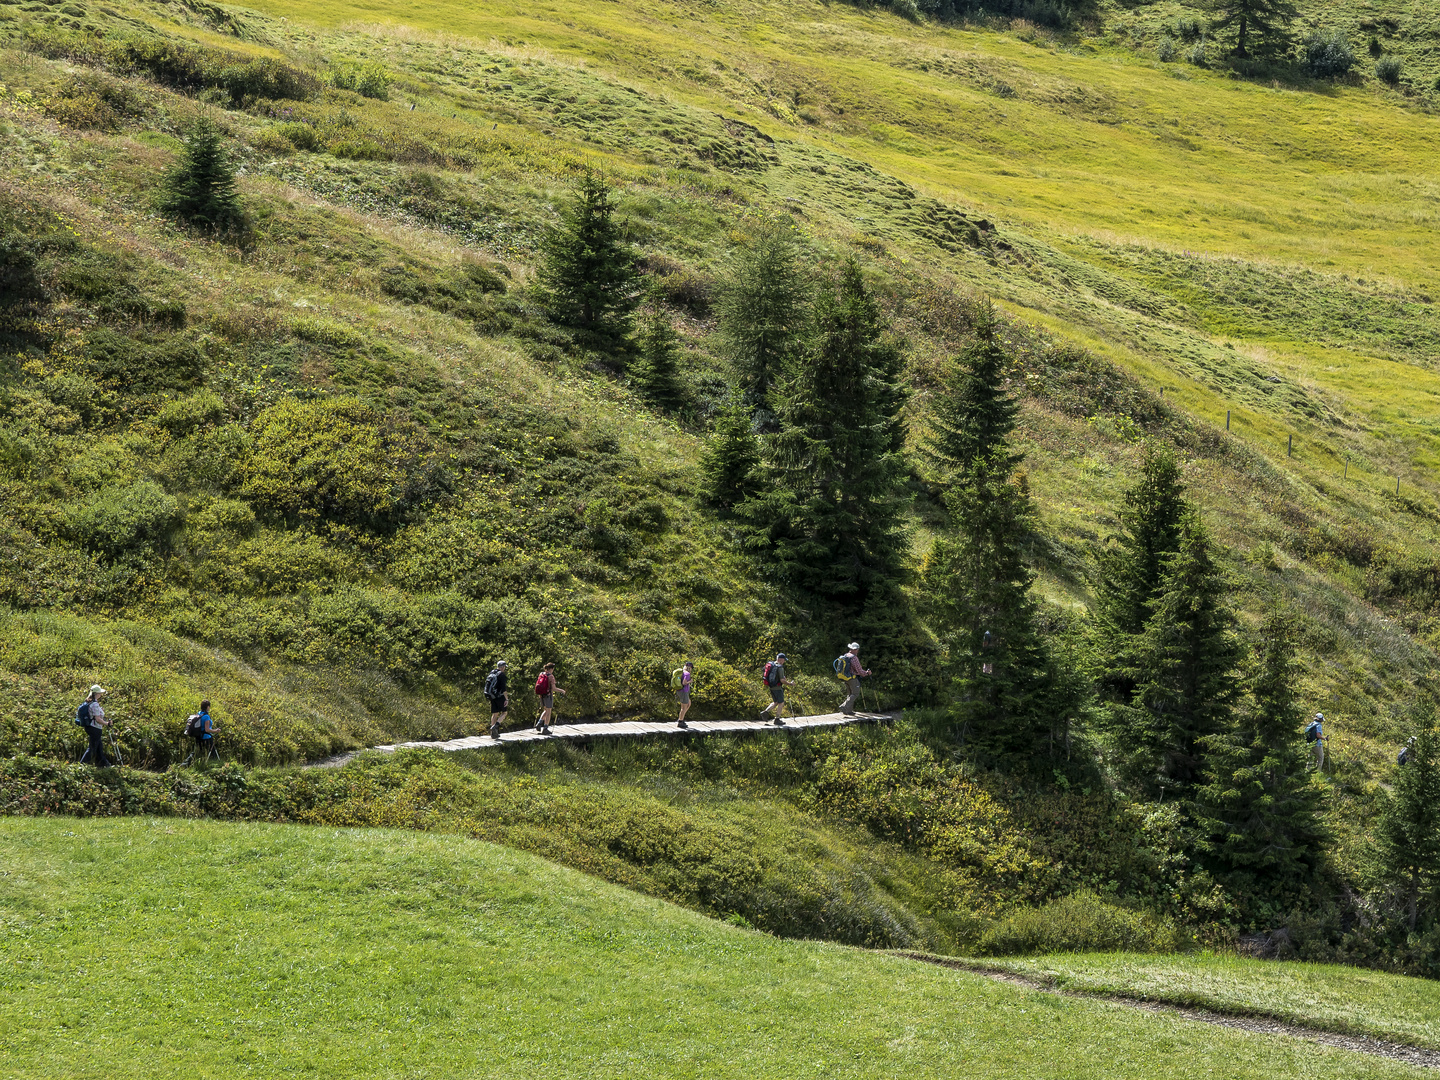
775, 681
496, 692
545, 690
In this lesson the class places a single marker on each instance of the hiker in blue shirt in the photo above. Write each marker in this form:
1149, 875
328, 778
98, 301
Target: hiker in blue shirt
775, 681
1316, 737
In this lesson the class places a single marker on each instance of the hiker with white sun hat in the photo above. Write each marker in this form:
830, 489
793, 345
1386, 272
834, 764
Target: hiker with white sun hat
849, 671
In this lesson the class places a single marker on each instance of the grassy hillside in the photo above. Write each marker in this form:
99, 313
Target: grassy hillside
328, 474
146, 948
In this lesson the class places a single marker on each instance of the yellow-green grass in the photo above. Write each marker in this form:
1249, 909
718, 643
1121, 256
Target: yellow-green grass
1325, 996
167, 948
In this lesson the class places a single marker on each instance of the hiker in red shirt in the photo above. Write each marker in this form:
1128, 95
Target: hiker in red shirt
546, 690
852, 673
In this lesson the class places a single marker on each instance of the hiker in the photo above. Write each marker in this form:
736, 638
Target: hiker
545, 690
775, 682
91, 717
1406, 751
205, 728
497, 693
849, 669
683, 680
1316, 737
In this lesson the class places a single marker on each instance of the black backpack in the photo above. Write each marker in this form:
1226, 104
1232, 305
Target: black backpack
1312, 732
82, 714
491, 681
194, 726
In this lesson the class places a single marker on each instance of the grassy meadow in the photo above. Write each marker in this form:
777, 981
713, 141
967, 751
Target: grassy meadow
156, 948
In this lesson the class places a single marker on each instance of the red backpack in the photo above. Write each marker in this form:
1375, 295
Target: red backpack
769, 666
542, 683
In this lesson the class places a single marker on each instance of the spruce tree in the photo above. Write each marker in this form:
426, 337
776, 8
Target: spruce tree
1408, 835
200, 189
1131, 572
830, 514
657, 371
1260, 26
975, 411
1186, 665
729, 464
978, 589
588, 275
1258, 812
763, 312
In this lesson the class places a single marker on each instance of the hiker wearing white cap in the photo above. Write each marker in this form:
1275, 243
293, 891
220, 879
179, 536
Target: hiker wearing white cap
1316, 737
91, 717
849, 669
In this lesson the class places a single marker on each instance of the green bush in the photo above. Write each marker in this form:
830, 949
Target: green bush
124, 519
1167, 50
336, 461
1081, 922
370, 79
301, 136
1388, 70
1326, 54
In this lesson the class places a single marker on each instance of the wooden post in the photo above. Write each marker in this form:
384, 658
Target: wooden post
1227, 419
1289, 445
1397, 485
1347, 470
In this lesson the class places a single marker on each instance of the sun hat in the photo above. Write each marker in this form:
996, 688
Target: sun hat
98, 689
854, 644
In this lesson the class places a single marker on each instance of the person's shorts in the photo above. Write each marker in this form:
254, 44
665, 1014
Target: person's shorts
497, 704
777, 695
682, 696
547, 701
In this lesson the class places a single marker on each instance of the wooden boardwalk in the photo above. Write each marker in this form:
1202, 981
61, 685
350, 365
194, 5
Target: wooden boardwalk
630, 729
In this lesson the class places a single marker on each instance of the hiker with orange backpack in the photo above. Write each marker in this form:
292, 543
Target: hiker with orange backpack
545, 690
682, 679
775, 681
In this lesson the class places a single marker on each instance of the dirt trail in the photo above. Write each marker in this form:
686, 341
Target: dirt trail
1264, 1025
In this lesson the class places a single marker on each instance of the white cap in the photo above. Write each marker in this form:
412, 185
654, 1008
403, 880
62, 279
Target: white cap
854, 644
1319, 716
98, 689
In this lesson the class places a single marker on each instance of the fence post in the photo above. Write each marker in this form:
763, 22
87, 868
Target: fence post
1347, 470
1289, 445
1227, 419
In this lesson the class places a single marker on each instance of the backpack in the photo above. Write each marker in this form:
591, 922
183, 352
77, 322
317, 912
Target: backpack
770, 670
677, 678
1313, 731
82, 714
842, 668
1404, 756
542, 683
491, 681
194, 726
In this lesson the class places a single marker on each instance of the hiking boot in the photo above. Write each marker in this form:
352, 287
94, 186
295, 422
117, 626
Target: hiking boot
779, 721
494, 731
764, 713
681, 723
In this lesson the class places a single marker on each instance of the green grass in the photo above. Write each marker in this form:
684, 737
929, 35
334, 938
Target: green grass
165, 948
1317, 995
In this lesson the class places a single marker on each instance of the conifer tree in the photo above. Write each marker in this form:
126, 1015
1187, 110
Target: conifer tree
200, 189
978, 589
830, 517
657, 371
1187, 660
588, 275
1257, 810
975, 411
1131, 572
730, 462
763, 312
1260, 26
1408, 836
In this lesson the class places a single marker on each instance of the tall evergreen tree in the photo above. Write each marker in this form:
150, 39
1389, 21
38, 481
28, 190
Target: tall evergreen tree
1187, 661
1261, 27
978, 589
763, 313
1258, 812
1408, 836
731, 461
588, 274
200, 189
830, 513
975, 411
1132, 571
657, 371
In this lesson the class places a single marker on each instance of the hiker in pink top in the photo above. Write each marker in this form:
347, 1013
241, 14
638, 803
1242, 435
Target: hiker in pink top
852, 673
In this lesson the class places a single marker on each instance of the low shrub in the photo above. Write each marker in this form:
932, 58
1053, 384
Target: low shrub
1389, 69
371, 79
124, 519
1327, 54
1167, 50
1081, 922
1197, 55
300, 135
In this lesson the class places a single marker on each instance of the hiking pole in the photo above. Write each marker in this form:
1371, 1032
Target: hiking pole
115, 747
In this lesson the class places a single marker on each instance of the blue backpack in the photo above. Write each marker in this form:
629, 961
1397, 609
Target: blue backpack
82, 714
1313, 731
